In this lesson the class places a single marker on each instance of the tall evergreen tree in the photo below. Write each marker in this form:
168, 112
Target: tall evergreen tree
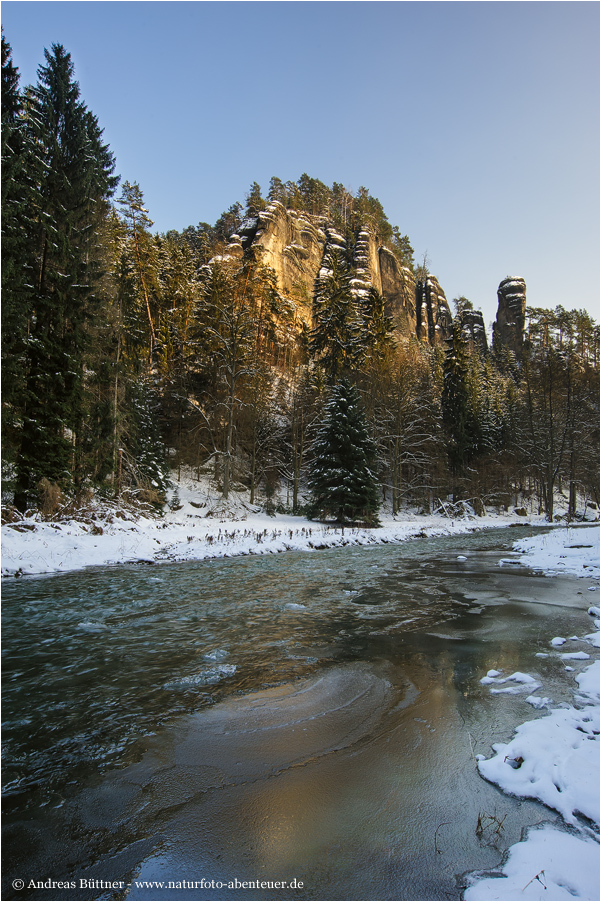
298, 406
335, 337
226, 337
277, 190
142, 252
254, 199
73, 181
457, 411
15, 270
376, 327
406, 419
342, 480
228, 222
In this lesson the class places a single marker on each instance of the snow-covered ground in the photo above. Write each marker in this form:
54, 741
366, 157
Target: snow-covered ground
197, 524
554, 759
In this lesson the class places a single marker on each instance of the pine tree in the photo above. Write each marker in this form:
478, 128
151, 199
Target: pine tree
143, 255
105, 365
457, 411
335, 337
341, 479
226, 338
145, 459
73, 181
402, 249
16, 273
298, 411
376, 327
254, 199
228, 223
406, 417
277, 190
179, 292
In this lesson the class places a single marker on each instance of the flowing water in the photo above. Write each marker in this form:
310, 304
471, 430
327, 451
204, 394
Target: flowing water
308, 716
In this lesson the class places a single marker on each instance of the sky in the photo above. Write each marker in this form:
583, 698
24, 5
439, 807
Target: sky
476, 124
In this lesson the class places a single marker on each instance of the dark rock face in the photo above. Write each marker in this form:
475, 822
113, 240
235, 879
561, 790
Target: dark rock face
508, 330
434, 320
474, 332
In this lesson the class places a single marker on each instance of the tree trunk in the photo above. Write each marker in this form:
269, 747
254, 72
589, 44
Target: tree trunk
253, 468
228, 439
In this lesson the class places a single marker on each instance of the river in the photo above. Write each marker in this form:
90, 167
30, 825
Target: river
303, 716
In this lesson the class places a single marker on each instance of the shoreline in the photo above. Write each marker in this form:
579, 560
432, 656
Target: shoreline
196, 524
33, 547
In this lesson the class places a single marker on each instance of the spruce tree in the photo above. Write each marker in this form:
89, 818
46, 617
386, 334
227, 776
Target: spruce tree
72, 175
341, 479
457, 410
376, 327
335, 341
15, 270
224, 336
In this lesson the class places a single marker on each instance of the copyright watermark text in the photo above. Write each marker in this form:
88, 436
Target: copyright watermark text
203, 883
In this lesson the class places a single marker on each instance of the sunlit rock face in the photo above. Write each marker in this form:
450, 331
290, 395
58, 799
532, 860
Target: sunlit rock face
398, 287
296, 245
293, 245
508, 330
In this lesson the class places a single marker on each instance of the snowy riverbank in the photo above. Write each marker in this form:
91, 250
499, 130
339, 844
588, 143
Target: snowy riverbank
198, 525
555, 758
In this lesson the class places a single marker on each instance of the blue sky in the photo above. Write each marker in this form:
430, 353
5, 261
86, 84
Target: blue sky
475, 124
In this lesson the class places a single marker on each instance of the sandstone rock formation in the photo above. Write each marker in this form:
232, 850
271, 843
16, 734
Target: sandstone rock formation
294, 243
472, 326
398, 287
434, 321
508, 329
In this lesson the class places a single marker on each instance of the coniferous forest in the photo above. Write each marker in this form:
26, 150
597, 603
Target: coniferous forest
128, 355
